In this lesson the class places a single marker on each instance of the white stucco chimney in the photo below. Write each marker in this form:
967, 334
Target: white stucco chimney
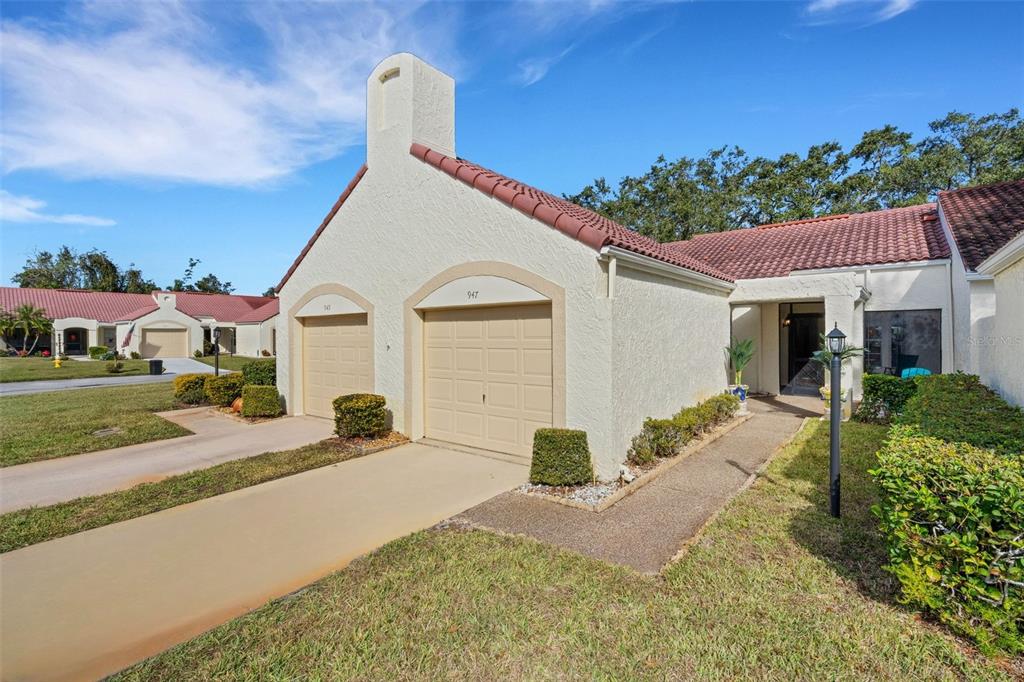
408, 100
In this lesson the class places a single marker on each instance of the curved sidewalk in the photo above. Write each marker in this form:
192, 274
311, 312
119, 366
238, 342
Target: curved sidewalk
215, 439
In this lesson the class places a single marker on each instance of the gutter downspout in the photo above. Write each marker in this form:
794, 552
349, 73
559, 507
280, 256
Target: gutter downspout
612, 266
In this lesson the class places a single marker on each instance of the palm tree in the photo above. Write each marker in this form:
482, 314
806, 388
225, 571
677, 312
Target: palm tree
33, 321
7, 324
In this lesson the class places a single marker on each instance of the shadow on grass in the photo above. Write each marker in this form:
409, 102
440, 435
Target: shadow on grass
851, 544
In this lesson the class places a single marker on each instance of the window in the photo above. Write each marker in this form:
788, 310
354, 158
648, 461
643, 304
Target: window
901, 339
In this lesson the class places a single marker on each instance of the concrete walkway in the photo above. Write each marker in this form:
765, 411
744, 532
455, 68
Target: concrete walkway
87, 605
172, 368
645, 530
216, 438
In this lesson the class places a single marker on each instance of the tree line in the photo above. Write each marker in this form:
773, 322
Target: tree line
96, 271
726, 188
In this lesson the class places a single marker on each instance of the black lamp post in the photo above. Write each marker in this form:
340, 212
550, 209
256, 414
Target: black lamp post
836, 346
216, 351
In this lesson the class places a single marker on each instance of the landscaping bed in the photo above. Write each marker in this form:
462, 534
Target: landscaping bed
598, 496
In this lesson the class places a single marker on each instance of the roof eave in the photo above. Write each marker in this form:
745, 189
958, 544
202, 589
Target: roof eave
661, 267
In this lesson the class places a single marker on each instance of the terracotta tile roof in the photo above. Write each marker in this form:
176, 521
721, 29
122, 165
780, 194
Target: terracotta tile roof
896, 235
221, 307
113, 307
579, 223
330, 214
264, 312
93, 305
983, 219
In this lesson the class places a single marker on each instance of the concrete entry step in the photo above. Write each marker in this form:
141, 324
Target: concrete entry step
479, 452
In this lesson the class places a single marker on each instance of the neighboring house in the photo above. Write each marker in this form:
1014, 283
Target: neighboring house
158, 325
483, 308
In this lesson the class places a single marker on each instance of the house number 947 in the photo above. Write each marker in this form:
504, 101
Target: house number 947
472, 294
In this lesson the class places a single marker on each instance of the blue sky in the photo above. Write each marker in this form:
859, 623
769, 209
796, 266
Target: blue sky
225, 131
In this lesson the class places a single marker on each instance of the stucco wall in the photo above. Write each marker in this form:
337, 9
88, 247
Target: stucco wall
746, 324
406, 222
999, 353
252, 339
668, 348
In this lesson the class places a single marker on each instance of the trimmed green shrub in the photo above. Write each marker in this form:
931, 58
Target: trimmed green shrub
115, 366
884, 397
223, 390
260, 372
561, 457
360, 414
97, 352
666, 437
657, 438
135, 355
696, 420
953, 518
260, 401
198, 354
190, 388
959, 408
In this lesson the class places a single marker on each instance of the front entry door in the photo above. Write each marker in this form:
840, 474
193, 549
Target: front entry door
804, 329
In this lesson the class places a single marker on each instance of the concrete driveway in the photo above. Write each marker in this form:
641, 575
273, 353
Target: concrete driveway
172, 368
216, 438
87, 605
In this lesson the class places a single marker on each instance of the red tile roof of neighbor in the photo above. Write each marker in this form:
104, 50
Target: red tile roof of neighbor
592, 229
91, 305
323, 224
983, 219
222, 307
264, 312
895, 235
106, 306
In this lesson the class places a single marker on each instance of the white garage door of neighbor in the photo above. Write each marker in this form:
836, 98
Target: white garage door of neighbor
164, 343
488, 376
335, 360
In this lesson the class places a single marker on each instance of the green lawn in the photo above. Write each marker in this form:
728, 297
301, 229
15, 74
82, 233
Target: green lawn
233, 362
38, 369
47, 425
39, 524
775, 589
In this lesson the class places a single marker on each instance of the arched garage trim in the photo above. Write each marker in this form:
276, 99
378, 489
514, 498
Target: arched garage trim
326, 294
414, 320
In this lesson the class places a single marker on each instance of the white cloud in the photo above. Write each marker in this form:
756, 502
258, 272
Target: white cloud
22, 209
155, 91
533, 70
827, 11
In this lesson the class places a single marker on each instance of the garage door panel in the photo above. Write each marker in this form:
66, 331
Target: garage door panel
499, 363
537, 363
469, 360
503, 361
537, 399
503, 395
164, 343
336, 358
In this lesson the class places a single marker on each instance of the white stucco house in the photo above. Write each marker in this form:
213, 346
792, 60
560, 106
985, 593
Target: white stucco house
162, 324
483, 308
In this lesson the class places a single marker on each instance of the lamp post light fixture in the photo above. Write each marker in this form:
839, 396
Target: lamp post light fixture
836, 345
216, 351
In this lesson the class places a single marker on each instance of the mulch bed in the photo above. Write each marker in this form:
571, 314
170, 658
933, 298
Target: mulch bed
365, 446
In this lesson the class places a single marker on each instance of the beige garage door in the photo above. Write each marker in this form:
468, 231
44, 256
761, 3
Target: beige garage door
164, 343
335, 360
488, 376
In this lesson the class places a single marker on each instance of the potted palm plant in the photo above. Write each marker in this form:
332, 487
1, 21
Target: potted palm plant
740, 352
823, 356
